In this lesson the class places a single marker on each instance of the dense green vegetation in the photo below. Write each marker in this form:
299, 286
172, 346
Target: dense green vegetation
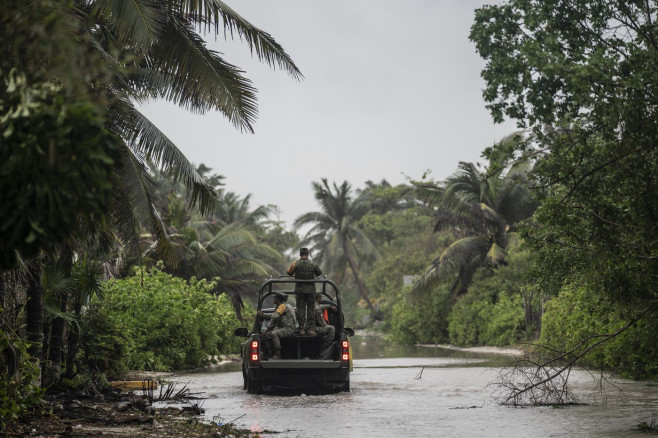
118, 253
79, 165
582, 81
154, 321
577, 314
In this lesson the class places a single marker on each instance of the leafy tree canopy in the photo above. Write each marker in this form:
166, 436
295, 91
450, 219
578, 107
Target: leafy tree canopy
582, 74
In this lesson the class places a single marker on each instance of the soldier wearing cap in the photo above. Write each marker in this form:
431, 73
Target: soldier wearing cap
305, 269
282, 323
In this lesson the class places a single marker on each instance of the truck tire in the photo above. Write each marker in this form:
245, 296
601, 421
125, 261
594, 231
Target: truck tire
346, 386
254, 385
245, 378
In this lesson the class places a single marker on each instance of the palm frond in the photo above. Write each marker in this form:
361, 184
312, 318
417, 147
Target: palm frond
463, 252
231, 235
55, 281
315, 217
430, 194
145, 138
86, 277
266, 48
495, 256
140, 192
462, 257
198, 79
138, 22
126, 224
459, 222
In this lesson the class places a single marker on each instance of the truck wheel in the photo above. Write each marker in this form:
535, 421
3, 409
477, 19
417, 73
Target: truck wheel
258, 386
245, 379
254, 386
346, 386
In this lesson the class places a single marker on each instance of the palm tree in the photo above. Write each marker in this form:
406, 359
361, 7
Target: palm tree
229, 254
235, 208
221, 246
150, 50
481, 208
339, 243
168, 60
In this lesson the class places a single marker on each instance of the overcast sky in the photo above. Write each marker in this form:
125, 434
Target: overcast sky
391, 89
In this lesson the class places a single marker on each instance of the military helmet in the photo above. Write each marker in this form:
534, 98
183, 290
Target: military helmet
281, 297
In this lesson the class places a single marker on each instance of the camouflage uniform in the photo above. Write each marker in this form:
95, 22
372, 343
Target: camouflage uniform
325, 331
305, 269
282, 325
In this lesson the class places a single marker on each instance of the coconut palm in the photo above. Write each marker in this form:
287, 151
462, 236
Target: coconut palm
481, 208
155, 52
151, 50
229, 254
221, 246
334, 236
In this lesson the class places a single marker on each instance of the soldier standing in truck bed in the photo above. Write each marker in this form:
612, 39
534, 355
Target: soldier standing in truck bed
305, 269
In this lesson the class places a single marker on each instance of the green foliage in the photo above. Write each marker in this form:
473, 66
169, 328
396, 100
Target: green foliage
48, 147
579, 74
420, 317
230, 246
105, 345
19, 388
482, 208
411, 244
478, 319
578, 315
166, 323
492, 313
338, 243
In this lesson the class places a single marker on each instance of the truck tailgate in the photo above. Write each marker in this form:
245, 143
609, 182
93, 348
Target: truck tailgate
300, 363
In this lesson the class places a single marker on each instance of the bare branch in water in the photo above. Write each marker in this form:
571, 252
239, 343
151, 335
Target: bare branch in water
541, 377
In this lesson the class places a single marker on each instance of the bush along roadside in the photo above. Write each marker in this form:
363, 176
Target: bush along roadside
154, 321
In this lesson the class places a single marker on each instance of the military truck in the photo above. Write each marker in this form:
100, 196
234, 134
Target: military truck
300, 365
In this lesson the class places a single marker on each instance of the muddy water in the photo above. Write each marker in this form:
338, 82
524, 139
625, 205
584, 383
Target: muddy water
420, 392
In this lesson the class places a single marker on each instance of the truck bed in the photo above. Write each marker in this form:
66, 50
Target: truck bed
302, 347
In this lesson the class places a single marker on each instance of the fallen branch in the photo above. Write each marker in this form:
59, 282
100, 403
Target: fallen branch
533, 380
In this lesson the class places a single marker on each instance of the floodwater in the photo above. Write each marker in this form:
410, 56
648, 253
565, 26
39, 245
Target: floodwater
406, 391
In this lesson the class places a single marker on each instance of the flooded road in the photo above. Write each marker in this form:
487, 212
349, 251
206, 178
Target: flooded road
419, 392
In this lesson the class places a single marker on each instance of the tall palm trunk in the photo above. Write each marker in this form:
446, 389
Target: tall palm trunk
53, 370
362, 286
34, 310
73, 340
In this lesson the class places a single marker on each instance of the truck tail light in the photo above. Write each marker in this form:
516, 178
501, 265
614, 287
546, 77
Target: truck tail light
345, 351
254, 355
